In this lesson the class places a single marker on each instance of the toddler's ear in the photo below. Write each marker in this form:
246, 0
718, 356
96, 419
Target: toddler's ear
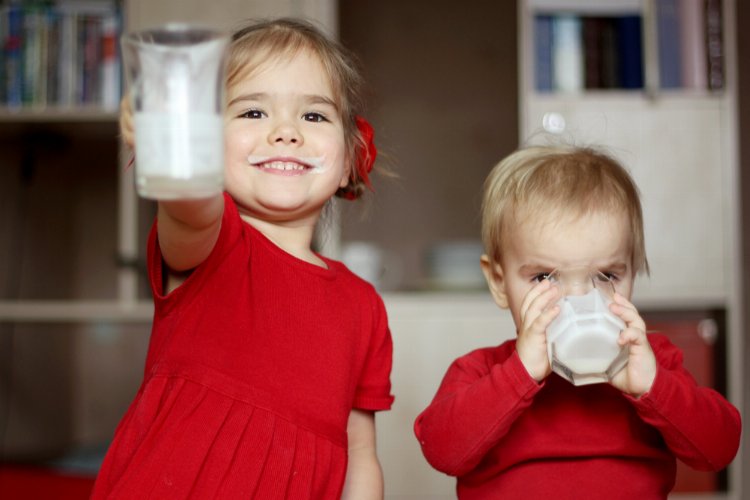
493, 273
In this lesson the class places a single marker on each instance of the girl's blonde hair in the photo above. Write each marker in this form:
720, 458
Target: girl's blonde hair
564, 180
254, 44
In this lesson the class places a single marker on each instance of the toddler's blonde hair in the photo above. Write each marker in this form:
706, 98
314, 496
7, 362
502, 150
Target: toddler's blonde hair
564, 181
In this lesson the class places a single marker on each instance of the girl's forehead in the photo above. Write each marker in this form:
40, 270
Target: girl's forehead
264, 60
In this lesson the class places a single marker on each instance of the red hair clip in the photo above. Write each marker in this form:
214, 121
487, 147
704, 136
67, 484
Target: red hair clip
367, 154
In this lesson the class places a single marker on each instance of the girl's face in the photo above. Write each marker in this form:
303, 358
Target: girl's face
284, 140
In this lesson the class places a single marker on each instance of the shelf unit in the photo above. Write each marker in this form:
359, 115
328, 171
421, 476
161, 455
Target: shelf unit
681, 147
128, 302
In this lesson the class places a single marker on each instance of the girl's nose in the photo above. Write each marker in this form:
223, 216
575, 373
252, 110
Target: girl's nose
286, 133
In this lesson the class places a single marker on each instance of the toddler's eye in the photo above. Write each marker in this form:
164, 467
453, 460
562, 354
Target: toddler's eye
540, 277
605, 276
253, 114
314, 117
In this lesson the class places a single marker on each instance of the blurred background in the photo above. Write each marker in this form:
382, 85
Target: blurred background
453, 88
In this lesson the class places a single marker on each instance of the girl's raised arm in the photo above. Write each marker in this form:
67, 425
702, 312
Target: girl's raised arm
188, 230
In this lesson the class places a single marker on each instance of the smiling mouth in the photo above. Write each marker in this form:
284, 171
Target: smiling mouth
286, 165
282, 166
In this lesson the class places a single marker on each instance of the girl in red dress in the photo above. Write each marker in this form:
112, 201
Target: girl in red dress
267, 360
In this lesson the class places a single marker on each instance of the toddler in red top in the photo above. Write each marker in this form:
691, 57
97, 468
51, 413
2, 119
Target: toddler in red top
267, 360
507, 426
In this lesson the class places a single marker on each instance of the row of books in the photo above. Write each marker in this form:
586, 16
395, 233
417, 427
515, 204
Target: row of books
690, 44
60, 54
578, 52
582, 52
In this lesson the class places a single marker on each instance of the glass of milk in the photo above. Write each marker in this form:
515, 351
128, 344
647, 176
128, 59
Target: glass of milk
175, 76
582, 339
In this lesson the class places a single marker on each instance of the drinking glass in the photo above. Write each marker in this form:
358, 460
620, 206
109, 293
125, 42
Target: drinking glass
175, 76
582, 339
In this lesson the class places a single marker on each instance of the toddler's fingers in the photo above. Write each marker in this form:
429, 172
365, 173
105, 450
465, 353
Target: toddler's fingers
536, 301
627, 312
632, 336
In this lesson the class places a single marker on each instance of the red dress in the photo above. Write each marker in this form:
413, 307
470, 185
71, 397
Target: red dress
254, 364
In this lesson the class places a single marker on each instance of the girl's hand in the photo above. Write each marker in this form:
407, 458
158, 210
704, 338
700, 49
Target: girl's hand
127, 130
638, 375
537, 312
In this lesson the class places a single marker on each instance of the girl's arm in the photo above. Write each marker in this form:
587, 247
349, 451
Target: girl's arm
364, 477
188, 230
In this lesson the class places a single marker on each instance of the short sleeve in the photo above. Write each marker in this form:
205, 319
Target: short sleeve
373, 391
231, 231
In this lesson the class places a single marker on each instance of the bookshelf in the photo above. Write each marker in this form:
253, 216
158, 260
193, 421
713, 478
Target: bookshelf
60, 55
676, 132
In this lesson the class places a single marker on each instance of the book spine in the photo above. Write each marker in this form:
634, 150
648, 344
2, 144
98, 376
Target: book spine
53, 57
68, 57
14, 62
110, 63
30, 54
610, 67
630, 51
668, 40
543, 53
567, 50
92, 60
714, 45
592, 53
693, 42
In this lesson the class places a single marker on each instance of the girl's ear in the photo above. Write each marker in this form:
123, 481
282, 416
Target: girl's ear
346, 177
493, 273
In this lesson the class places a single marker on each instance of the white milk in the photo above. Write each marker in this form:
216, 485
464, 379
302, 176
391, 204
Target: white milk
179, 155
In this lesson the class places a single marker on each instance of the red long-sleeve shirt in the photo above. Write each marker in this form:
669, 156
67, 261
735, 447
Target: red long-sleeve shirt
506, 436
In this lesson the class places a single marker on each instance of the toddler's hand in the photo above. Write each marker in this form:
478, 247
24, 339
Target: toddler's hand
126, 122
537, 312
638, 375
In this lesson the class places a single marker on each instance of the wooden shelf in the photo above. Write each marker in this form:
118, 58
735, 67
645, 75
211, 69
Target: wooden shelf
51, 114
73, 311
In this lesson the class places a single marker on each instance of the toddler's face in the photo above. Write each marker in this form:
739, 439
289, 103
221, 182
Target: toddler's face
536, 247
284, 143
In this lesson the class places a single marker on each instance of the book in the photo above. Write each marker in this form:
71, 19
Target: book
693, 44
60, 53
67, 61
14, 73
110, 63
714, 45
629, 51
567, 53
53, 56
610, 66
669, 44
543, 53
592, 52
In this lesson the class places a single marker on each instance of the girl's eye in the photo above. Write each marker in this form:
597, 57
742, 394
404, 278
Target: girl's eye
314, 117
540, 277
253, 114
